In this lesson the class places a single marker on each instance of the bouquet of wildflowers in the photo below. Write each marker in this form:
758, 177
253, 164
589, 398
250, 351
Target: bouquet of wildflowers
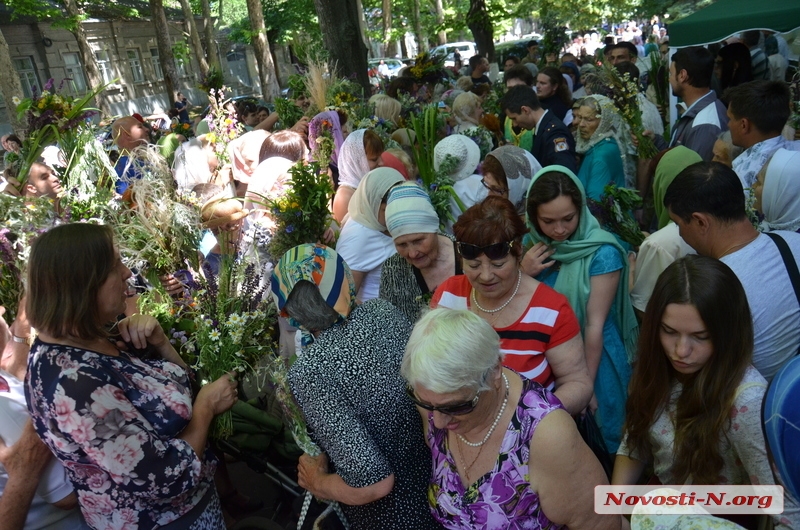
428, 69
223, 126
52, 118
184, 129
288, 111
235, 326
625, 97
155, 227
24, 219
302, 214
344, 94
613, 211
324, 144
381, 127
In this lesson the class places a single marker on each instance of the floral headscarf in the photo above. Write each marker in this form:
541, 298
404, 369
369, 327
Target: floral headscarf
321, 266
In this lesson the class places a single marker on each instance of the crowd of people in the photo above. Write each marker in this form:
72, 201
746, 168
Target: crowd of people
447, 351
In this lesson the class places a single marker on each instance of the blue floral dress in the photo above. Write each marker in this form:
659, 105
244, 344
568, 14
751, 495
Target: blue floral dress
502, 498
113, 423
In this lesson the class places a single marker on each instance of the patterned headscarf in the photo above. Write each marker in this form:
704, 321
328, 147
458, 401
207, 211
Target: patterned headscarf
519, 168
409, 211
321, 266
353, 163
782, 424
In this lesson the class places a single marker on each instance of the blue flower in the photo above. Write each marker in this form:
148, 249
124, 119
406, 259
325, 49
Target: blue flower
434, 186
289, 229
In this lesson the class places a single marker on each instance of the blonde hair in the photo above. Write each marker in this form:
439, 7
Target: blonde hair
386, 108
465, 83
464, 107
403, 157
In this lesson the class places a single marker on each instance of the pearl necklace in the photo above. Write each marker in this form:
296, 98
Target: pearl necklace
494, 424
516, 290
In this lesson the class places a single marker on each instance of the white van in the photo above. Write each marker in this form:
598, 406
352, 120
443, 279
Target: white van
466, 49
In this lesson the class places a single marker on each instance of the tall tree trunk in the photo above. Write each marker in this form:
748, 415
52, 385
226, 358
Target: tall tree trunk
386, 15
197, 45
272, 36
341, 35
441, 36
87, 56
208, 31
480, 24
266, 68
10, 87
165, 55
422, 42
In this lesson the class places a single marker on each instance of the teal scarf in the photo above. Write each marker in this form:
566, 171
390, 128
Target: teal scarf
575, 255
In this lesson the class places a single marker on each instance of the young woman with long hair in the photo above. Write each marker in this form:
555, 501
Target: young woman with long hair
694, 398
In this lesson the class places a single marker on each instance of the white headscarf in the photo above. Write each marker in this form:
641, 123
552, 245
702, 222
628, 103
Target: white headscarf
780, 198
365, 205
244, 153
353, 163
190, 166
519, 167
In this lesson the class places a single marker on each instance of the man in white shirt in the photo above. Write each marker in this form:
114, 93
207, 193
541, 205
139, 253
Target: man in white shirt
706, 201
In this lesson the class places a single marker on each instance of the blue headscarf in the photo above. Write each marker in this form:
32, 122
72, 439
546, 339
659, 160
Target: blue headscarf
577, 71
782, 425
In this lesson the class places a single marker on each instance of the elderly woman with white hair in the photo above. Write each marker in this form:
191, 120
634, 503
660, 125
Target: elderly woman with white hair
425, 256
504, 451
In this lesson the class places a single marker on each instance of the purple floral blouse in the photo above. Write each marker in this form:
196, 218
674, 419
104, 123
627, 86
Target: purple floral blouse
113, 423
502, 498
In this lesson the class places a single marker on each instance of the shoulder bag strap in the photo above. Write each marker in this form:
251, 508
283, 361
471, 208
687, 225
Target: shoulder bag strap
789, 262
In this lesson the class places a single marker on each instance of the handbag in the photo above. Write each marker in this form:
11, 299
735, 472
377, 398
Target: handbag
590, 432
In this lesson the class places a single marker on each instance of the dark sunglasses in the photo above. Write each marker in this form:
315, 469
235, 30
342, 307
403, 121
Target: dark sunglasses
459, 409
493, 251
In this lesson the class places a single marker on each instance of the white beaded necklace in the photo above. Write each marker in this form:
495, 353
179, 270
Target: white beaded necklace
516, 290
494, 424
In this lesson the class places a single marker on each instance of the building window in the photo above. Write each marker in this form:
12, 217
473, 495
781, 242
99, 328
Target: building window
154, 60
27, 75
104, 64
72, 65
136, 66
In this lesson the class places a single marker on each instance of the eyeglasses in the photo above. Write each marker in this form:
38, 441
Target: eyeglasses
493, 251
459, 409
499, 191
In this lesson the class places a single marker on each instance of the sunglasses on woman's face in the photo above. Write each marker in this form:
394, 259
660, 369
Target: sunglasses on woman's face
459, 409
493, 251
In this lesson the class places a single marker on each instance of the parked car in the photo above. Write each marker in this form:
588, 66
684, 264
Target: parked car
466, 49
395, 65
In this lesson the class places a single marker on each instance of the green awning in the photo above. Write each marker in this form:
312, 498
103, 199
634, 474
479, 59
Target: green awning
726, 17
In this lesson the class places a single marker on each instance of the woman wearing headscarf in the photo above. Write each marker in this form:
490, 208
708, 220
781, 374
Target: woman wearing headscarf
364, 243
665, 245
315, 128
360, 154
777, 192
348, 385
572, 70
507, 171
604, 148
425, 256
590, 268
782, 426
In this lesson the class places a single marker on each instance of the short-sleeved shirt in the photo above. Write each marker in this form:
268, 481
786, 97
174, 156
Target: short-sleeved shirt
547, 322
365, 250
